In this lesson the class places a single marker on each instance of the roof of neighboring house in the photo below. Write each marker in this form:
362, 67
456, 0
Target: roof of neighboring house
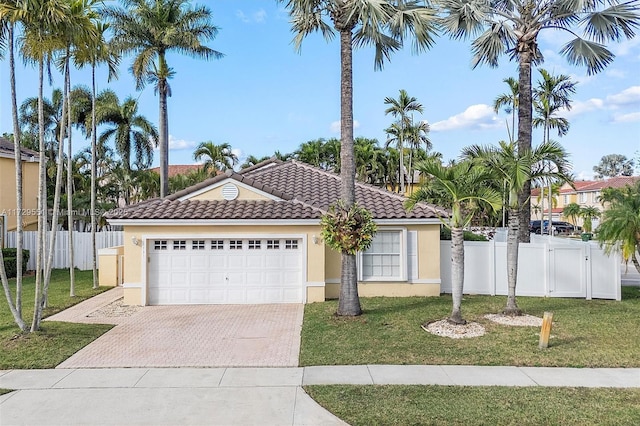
180, 169
7, 148
299, 191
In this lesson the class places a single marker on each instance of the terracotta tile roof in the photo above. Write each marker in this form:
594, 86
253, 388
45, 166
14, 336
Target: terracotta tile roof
302, 192
180, 169
6, 147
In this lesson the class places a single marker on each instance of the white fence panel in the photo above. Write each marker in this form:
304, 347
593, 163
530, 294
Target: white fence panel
553, 267
82, 251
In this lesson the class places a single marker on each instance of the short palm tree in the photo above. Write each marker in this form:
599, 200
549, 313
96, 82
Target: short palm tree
149, 29
462, 187
385, 25
515, 169
215, 157
514, 27
588, 213
620, 225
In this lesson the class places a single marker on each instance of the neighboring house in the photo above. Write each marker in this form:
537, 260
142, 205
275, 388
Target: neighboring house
8, 212
586, 193
254, 236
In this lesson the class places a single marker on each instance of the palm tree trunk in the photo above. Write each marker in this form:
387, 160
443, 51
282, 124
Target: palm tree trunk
42, 202
349, 303
457, 274
18, 164
524, 139
94, 165
512, 263
72, 277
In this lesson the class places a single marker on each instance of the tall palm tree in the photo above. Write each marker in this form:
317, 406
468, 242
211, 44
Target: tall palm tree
552, 94
149, 29
133, 133
401, 108
8, 22
216, 157
462, 187
620, 226
96, 51
385, 25
513, 27
509, 101
547, 161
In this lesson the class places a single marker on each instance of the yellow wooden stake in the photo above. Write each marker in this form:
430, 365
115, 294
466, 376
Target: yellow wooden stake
545, 332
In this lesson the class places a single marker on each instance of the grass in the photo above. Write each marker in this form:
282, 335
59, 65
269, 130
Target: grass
585, 333
449, 405
55, 341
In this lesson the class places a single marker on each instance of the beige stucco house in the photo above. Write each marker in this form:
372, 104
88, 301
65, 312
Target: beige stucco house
8, 213
254, 237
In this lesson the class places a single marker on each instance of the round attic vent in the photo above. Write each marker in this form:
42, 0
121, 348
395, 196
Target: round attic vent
229, 192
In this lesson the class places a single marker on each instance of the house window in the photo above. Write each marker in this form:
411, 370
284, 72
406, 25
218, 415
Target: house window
582, 197
217, 244
235, 245
291, 244
383, 259
273, 244
197, 245
160, 245
254, 244
179, 245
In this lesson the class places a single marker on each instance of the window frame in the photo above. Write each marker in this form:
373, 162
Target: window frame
403, 259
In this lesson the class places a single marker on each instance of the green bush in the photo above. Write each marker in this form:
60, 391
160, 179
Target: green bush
9, 255
445, 235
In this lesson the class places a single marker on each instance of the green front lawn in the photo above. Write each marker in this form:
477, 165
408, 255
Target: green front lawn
56, 341
586, 333
458, 405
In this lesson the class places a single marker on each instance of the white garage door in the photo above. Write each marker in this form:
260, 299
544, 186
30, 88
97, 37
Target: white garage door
217, 271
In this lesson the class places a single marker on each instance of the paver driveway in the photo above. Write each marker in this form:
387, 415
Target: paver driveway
197, 336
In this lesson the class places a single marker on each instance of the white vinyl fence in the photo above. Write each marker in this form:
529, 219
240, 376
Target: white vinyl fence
554, 267
82, 253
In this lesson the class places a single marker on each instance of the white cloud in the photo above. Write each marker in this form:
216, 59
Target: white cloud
256, 17
626, 97
627, 118
480, 116
180, 144
334, 127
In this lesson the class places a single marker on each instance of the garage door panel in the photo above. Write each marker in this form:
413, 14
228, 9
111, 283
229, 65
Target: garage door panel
219, 271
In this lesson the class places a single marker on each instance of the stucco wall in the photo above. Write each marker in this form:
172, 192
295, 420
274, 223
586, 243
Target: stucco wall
8, 193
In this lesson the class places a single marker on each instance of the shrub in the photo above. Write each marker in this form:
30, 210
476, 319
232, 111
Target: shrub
9, 255
445, 235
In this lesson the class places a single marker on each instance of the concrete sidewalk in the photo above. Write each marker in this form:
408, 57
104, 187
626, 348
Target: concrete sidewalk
242, 396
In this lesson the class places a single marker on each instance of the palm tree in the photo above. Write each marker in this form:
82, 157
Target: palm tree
572, 211
515, 169
620, 226
588, 213
95, 52
216, 157
385, 25
509, 101
132, 132
513, 27
8, 23
463, 187
150, 29
400, 109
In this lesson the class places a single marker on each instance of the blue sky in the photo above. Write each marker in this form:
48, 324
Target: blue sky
263, 96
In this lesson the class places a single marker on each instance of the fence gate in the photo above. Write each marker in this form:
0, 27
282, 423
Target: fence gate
568, 271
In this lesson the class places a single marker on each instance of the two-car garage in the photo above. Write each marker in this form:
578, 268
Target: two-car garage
225, 270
